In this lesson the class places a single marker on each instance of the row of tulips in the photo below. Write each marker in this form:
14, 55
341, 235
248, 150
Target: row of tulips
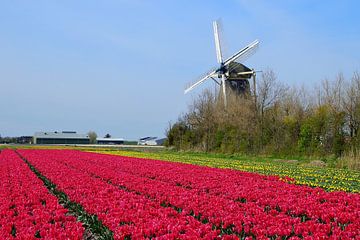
330, 179
265, 191
239, 203
190, 203
127, 214
27, 210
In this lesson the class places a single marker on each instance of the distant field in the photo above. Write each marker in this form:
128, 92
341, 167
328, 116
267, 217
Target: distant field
330, 179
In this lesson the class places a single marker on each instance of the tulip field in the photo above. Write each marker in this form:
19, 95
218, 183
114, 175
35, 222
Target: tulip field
27, 210
330, 179
72, 194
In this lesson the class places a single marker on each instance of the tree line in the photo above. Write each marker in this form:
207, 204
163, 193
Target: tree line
276, 119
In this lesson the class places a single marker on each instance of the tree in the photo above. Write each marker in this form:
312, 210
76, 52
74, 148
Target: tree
351, 103
92, 136
179, 135
107, 135
333, 98
201, 119
270, 92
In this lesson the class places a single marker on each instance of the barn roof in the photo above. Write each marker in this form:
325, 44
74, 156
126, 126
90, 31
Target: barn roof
109, 139
64, 134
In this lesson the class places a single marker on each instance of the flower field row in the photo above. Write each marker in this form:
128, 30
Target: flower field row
27, 210
225, 202
264, 190
330, 179
127, 214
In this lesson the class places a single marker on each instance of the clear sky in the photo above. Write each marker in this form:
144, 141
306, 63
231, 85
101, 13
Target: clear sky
120, 67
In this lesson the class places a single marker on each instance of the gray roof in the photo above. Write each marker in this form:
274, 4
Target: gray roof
64, 134
147, 138
109, 139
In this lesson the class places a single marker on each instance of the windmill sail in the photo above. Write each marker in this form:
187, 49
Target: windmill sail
211, 73
243, 53
219, 56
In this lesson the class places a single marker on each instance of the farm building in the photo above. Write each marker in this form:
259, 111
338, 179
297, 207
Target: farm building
24, 140
151, 141
64, 137
110, 141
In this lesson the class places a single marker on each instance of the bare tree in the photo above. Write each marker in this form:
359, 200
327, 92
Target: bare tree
333, 92
351, 104
269, 90
92, 136
201, 117
269, 94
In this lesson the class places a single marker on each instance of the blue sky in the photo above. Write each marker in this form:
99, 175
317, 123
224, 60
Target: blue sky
120, 67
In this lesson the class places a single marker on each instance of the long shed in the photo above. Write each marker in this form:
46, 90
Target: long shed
64, 137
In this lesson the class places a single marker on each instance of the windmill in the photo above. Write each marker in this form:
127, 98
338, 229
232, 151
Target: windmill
229, 74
